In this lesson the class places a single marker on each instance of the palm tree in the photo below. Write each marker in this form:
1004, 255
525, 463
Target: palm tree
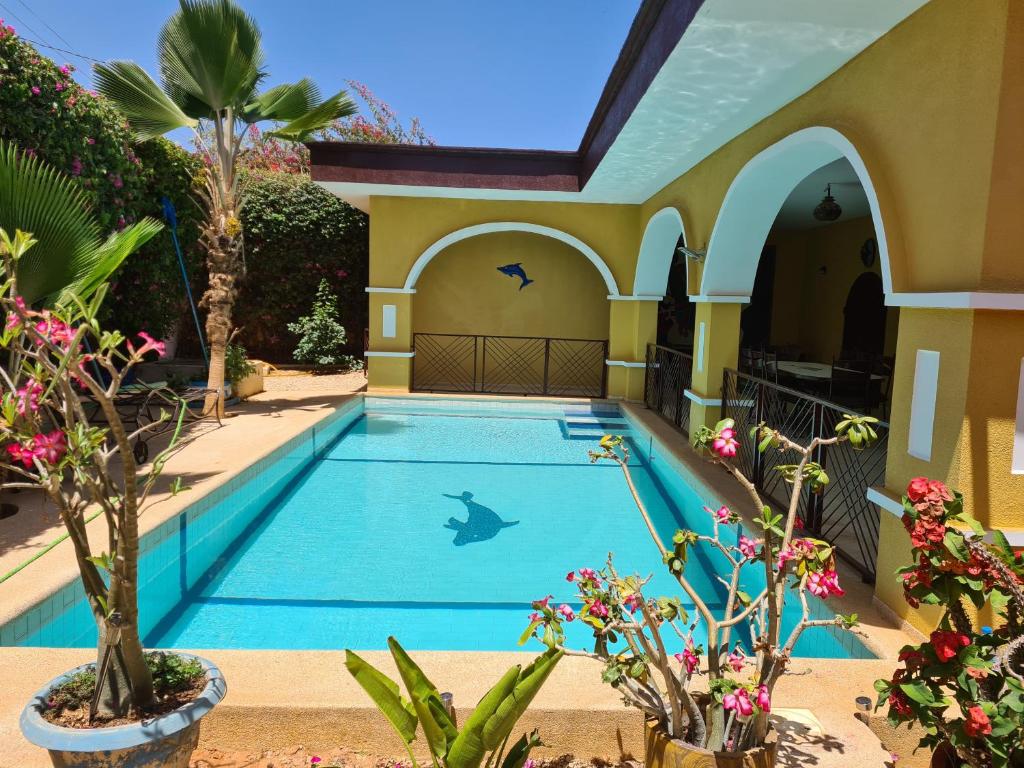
211, 70
71, 256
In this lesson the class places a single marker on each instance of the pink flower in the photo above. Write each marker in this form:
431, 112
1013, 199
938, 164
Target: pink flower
598, 609
28, 397
35, 90
570, 576
740, 701
725, 444
65, 69
763, 700
748, 547
51, 446
89, 139
538, 604
722, 514
566, 612
632, 602
23, 453
530, 763
736, 660
314, 760
824, 584
535, 617
76, 167
59, 87
149, 345
689, 657
588, 574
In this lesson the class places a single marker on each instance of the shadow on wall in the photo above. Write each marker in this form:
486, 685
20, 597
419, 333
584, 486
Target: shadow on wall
483, 523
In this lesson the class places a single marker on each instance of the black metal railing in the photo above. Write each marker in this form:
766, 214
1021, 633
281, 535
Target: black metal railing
669, 374
509, 365
842, 514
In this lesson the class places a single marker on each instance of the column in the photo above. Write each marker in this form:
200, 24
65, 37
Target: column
716, 346
390, 353
632, 325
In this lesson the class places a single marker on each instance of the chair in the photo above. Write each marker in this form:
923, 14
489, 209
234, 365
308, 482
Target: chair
770, 366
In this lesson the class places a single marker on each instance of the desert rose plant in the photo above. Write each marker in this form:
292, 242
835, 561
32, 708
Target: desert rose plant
648, 644
965, 684
60, 433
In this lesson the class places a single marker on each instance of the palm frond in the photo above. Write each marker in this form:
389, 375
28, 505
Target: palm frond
36, 198
283, 102
211, 57
339, 105
149, 110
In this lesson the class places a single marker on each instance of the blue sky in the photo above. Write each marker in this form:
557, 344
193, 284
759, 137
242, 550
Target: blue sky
500, 73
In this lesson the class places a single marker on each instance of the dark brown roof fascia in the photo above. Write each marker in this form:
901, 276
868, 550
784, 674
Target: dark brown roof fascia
431, 166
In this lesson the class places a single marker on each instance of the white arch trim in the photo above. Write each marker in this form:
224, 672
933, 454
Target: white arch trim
511, 226
656, 251
755, 197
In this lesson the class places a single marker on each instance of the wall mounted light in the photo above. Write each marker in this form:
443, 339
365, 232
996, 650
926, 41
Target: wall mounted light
692, 255
828, 209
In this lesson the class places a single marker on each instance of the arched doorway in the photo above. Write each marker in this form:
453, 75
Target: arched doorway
864, 317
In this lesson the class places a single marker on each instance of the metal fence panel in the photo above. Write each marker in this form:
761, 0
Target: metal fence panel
669, 375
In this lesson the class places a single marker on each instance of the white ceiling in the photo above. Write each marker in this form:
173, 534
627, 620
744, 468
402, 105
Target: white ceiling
797, 211
738, 62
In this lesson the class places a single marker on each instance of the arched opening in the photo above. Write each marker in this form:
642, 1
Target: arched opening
800, 244
661, 271
510, 312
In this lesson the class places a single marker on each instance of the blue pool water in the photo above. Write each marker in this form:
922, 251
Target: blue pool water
435, 522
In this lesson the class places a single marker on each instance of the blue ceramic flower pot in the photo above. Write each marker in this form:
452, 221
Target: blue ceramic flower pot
163, 742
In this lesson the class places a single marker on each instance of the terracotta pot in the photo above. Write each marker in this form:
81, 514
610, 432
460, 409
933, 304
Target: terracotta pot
663, 752
167, 741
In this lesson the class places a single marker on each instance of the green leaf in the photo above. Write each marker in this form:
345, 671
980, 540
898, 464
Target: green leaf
149, 110
71, 252
422, 692
517, 755
283, 102
500, 724
320, 116
955, 545
919, 692
468, 748
385, 694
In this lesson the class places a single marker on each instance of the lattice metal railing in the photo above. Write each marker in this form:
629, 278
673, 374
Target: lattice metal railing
669, 375
518, 365
842, 515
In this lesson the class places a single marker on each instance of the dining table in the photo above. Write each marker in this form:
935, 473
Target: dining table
810, 371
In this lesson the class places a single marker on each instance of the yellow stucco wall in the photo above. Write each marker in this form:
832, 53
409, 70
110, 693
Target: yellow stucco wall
461, 290
807, 309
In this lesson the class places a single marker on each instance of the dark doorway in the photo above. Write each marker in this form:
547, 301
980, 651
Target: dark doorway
864, 317
756, 319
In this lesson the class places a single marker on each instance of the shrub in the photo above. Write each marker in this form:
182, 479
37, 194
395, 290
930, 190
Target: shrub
321, 336
47, 114
236, 363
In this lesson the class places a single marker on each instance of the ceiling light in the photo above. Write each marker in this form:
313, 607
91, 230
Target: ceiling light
828, 209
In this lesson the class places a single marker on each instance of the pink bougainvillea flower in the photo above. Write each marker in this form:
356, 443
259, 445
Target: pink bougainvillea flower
736, 659
763, 700
59, 87
76, 167
725, 444
948, 643
977, 722
35, 90
566, 612
748, 547
65, 69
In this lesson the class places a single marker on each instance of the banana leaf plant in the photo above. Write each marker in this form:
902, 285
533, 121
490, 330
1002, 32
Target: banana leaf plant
483, 739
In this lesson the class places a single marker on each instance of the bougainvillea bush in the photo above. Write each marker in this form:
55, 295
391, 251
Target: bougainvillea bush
965, 684
648, 644
48, 115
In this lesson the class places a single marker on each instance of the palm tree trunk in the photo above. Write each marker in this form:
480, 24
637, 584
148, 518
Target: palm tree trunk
224, 262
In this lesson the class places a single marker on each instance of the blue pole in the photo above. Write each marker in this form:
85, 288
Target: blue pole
172, 220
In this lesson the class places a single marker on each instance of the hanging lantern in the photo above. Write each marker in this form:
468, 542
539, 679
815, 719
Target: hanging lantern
828, 209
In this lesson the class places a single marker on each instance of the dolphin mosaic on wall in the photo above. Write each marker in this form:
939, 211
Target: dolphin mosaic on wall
516, 270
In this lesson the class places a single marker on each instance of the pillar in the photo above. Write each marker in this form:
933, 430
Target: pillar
716, 346
390, 353
632, 325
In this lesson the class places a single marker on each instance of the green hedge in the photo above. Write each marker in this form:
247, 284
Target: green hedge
47, 114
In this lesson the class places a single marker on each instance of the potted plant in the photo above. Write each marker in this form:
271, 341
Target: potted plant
648, 645
60, 434
486, 732
965, 684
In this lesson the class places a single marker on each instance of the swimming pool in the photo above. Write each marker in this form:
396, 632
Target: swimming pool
438, 521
